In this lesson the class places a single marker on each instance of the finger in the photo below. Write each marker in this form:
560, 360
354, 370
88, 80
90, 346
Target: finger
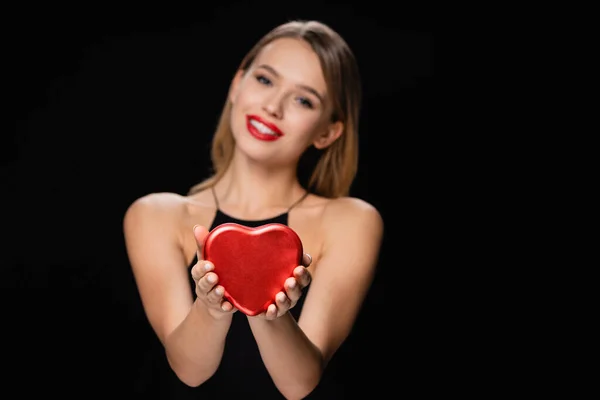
290, 284
200, 269
208, 282
227, 306
306, 259
200, 233
282, 301
216, 295
292, 289
271, 311
302, 276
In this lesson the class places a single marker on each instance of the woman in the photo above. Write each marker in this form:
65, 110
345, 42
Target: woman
293, 103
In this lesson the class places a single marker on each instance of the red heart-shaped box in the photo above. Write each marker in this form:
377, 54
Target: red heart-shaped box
252, 263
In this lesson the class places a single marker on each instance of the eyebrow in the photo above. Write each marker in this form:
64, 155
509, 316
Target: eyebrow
305, 87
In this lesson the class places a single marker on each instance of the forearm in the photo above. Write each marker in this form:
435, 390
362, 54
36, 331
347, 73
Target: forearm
293, 361
195, 348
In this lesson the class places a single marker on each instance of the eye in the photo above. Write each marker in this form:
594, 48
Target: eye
263, 79
305, 102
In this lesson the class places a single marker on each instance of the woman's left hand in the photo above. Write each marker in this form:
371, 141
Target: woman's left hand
285, 301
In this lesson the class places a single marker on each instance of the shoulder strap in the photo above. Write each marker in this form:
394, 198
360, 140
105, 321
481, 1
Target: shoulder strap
212, 189
298, 201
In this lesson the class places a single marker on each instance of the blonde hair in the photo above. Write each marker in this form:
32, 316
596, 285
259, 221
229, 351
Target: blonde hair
331, 171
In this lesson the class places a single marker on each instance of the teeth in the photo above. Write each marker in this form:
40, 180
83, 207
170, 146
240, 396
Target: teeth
262, 128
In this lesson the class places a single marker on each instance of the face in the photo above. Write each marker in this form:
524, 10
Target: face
280, 105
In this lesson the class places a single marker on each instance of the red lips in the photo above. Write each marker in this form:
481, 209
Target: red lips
254, 131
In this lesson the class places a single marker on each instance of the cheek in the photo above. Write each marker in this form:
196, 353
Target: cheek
240, 105
246, 94
237, 121
238, 100
305, 125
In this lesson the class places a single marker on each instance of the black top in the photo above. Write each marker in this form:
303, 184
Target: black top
241, 374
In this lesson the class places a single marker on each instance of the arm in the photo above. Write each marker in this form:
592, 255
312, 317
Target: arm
296, 354
192, 337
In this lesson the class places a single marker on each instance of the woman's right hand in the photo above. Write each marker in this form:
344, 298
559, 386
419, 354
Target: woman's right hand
208, 290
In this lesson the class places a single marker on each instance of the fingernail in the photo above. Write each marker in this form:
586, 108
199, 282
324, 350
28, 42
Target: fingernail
194, 228
309, 257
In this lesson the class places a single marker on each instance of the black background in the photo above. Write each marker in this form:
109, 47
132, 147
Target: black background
110, 104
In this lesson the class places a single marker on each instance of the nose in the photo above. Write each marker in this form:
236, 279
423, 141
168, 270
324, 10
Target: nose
273, 105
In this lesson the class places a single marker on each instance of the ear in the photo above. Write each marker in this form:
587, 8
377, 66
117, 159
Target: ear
330, 135
235, 83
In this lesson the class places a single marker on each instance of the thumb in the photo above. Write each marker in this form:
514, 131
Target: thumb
200, 233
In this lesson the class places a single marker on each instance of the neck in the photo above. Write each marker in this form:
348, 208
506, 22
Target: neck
256, 191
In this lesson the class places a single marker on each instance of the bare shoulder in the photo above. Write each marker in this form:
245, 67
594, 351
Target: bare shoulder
158, 201
352, 223
152, 230
168, 217
346, 212
156, 206
159, 213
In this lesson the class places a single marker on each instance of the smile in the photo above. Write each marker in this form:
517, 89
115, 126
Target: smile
262, 129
